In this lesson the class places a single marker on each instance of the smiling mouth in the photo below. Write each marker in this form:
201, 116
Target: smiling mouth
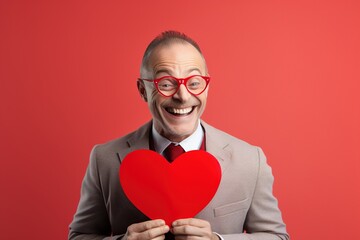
180, 111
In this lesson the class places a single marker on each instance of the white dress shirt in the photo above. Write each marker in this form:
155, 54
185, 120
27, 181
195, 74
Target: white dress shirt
193, 142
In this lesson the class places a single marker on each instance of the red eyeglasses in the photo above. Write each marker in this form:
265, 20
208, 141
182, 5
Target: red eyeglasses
169, 85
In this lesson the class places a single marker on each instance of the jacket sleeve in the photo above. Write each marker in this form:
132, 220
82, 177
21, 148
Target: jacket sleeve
91, 219
264, 220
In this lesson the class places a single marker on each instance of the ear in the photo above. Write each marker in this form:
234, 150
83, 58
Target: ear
141, 89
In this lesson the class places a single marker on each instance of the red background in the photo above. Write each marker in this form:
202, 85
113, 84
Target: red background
285, 76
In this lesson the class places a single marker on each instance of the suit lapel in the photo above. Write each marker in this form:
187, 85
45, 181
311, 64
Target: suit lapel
216, 146
138, 140
214, 143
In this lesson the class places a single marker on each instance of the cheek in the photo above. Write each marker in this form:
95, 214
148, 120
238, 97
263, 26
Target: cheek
155, 101
151, 93
152, 96
203, 99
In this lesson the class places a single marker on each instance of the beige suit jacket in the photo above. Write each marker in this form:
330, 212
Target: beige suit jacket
244, 200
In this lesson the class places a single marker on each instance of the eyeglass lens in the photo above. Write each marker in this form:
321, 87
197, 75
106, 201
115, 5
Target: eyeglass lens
169, 86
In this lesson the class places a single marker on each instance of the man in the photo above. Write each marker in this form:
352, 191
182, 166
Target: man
175, 82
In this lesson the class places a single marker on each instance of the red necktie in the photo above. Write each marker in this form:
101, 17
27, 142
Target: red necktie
173, 151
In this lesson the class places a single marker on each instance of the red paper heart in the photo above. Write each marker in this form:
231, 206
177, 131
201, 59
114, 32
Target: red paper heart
170, 191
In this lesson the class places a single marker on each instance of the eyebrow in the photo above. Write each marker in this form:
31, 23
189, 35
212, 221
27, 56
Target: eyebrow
162, 71
167, 71
194, 69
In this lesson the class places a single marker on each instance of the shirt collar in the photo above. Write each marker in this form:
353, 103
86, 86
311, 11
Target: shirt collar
193, 142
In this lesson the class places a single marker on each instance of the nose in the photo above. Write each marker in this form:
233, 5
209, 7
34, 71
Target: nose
182, 94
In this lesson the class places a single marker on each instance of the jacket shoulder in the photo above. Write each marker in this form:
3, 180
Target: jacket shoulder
221, 136
125, 141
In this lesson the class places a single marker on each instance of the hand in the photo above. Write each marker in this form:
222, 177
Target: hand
149, 230
193, 229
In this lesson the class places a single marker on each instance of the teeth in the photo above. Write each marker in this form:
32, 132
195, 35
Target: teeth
180, 111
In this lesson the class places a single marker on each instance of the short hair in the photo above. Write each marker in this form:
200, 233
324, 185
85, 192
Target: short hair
166, 38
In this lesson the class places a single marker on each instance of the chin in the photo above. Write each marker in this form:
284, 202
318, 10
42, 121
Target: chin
177, 127
181, 132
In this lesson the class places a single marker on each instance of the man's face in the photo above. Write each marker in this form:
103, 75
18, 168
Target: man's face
174, 117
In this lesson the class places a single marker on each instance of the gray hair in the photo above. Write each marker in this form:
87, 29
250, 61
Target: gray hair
166, 38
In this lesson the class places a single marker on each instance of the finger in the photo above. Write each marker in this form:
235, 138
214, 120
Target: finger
191, 221
154, 233
189, 230
185, 237
144, 226
162, 237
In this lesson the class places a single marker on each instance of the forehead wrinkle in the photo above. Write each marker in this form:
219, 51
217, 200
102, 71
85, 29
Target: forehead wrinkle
195, 69
177, 60
177, 68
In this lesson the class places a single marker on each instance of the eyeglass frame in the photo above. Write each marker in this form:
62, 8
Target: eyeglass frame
179, 81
